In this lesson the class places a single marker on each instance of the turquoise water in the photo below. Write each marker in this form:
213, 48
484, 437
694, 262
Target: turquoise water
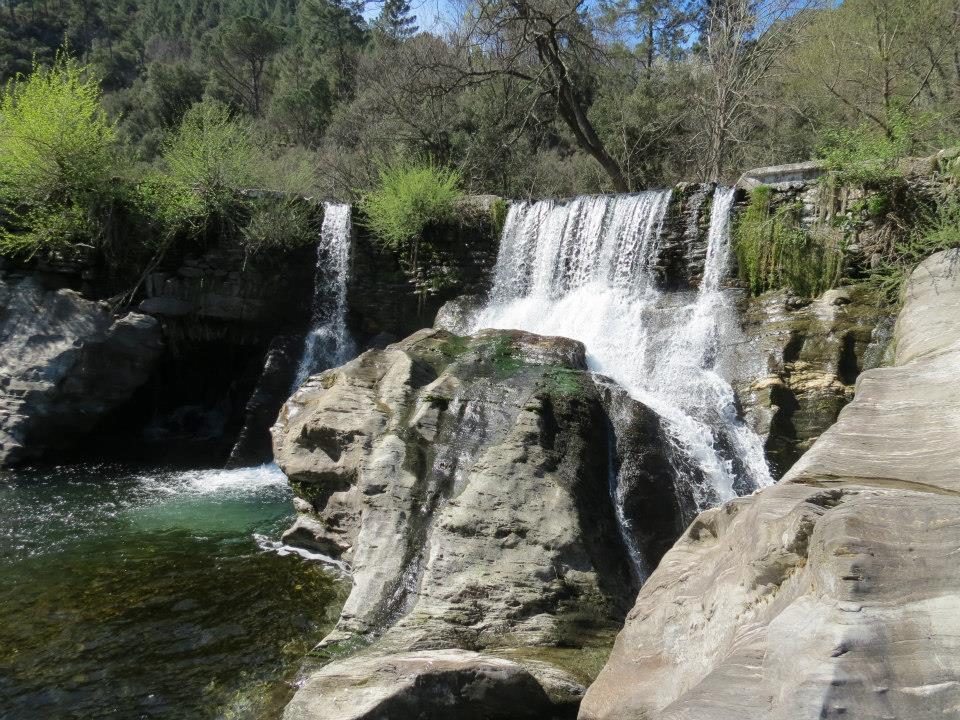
129, 594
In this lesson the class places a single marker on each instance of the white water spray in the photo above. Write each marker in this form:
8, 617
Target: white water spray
328, 343
584, 269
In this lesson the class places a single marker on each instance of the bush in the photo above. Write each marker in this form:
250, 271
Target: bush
56, 158
868, 155
204, 165
937, 230
774, 251
410, 197
279, 222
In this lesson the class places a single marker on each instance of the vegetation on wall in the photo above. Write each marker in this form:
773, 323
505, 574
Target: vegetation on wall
935, 230
56, 158
774, 251
410, 196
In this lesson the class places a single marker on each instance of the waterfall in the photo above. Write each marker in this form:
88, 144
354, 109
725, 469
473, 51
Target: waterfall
585, 269
328, 342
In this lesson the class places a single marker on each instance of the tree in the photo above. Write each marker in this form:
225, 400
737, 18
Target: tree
396, 21
741, 41
873, 60
550, 46
240, 53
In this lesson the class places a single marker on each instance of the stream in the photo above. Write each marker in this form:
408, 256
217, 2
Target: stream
153, 594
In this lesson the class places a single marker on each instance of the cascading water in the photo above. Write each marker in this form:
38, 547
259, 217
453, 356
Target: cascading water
585, 269
328, 343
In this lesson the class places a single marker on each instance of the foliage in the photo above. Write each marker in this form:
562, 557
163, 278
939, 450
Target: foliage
498, 215
774, 251
937, 230
204, 165
410, 196
56, 157
279, 222
869, 156
396, 21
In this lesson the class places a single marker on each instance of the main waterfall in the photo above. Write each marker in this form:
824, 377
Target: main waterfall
328, 341
586, 269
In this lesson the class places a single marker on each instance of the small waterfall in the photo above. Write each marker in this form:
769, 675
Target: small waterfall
328, 342
584, 269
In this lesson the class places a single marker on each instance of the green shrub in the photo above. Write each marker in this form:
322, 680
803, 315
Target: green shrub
204, 164
498, 215
56, 158
774, 251
280, 223
937, 230
410, 197
868, 155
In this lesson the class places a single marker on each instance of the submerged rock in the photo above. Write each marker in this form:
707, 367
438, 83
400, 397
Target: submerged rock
467, 483
65, 362
834, 592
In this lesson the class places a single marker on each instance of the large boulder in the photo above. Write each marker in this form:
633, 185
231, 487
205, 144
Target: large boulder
65, 362
434, 685
833, 593
466, 482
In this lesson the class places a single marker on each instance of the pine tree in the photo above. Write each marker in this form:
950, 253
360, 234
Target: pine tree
396, 20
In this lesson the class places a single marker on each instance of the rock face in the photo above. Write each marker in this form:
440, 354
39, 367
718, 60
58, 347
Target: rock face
65, 362
226, 292
833, 593
253, 445
466, 482
384, 296
799, 363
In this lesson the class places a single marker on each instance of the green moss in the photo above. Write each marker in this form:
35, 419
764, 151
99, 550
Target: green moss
505, 358
498, 215
774, 251
454, 346
562, 381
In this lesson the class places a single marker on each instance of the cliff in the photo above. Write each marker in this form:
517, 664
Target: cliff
831, 593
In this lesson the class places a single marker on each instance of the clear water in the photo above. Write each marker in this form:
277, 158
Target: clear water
328, 342
128, 594
584, 269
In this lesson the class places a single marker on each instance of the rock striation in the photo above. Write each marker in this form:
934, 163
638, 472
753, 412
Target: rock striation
65, 362
466, 482
833, 593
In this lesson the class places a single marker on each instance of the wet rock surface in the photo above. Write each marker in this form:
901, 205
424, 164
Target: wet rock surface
65, 362
833, 593
798, 362
466, 481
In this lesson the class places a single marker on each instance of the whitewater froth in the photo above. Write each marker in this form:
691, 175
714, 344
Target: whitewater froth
585, 269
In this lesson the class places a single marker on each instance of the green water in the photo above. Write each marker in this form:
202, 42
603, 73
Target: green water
152, 595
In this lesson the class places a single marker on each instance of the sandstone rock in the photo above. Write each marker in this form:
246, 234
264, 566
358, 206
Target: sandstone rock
466, 481
833, 593
434, 685
455, 315
253, 444
65, 362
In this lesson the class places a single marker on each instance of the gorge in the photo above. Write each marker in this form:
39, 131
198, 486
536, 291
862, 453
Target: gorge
599, 410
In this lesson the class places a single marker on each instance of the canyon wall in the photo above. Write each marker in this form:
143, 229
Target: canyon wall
832, 593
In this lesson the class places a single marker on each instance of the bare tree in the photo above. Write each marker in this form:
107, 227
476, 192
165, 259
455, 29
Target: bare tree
742, 40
